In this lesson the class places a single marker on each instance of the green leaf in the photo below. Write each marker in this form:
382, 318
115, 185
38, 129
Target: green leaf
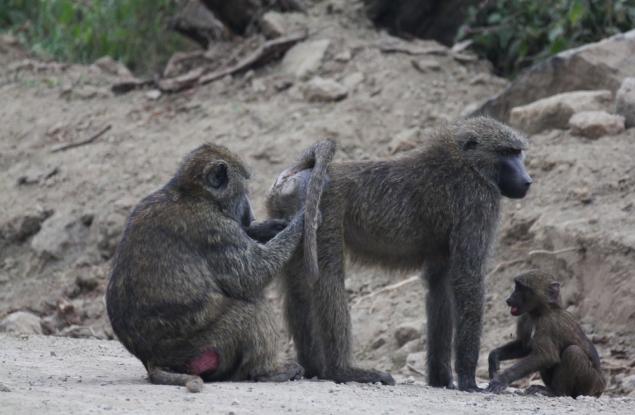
576, 12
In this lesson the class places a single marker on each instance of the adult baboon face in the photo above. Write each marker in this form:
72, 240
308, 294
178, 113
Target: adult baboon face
496, 151
513, 179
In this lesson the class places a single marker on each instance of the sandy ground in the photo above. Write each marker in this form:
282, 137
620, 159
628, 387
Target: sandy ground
582, 198
79, 376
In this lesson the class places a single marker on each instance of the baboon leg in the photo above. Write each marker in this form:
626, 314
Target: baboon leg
159, 376
282, 373
575, 375
332, 310
468, 299
440, 312
300, 317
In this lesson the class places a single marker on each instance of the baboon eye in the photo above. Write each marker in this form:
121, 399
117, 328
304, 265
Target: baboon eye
470, 145
217, 176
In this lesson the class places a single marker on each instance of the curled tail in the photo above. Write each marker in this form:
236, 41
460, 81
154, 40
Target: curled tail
322, 154
159, 376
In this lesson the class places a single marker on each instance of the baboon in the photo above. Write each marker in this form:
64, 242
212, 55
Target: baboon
549, 340
436, 207
185, 294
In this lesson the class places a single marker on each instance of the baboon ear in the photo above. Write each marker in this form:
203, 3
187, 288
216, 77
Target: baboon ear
553, 293
216, 175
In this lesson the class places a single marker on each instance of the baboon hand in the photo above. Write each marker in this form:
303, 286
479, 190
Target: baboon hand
496, 385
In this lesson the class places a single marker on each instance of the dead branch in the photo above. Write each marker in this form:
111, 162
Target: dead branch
84, 142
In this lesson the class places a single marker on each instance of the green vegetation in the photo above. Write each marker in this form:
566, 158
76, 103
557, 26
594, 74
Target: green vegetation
514, 34
132, 31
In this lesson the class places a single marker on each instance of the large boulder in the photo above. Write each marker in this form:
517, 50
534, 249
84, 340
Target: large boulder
595, 124
602, 65
625, 101
555, 111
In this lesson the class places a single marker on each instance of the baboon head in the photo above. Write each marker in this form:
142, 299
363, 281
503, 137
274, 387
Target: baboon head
496, 152
213, 173
534, 291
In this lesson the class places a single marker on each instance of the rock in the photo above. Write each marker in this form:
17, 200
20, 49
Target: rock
324, 90
198, 23
595, 124
417, 361
272, 24
555, 111
426, 65
4, 388
352, 81
380, 341
21, 322
399, 356
344, 56
59, 235
112, 67
37, 175
20, 228
305, 58
153, 94
108, 231
629, 382
625, 101
603, 64
406, 333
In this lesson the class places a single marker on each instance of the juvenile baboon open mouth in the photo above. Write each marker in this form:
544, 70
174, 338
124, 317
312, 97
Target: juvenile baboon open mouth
514, 311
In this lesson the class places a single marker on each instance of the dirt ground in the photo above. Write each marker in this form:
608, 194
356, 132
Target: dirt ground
62, 212
60, 375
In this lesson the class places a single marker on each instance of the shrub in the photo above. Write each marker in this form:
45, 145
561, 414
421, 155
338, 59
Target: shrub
514, 34
132, 31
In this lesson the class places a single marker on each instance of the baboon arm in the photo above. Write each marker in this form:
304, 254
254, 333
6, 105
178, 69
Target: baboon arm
512, 350
535, 361
244, 267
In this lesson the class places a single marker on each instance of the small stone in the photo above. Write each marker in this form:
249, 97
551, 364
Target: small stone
405, 140
258, 86
20, 228
595, 124
344, 56
305, 58
380, 341
272, 25
4, 388
21, 322
112, 67
324, 90
426, 65
583, 194
153, 94
352, 81
625, 102
406, 332
417, 360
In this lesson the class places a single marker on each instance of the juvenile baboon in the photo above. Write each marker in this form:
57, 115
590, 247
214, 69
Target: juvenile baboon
302, 185
549, 340
436, 207
186, 291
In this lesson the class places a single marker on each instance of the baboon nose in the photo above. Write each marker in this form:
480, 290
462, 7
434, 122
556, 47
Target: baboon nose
509, 303
528, 182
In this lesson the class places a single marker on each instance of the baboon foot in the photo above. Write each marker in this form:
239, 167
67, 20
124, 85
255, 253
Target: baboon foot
289, 371
352, 374
468, 384
440, 379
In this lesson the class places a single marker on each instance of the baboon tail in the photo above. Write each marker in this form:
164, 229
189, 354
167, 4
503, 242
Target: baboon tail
323, 154
159, 376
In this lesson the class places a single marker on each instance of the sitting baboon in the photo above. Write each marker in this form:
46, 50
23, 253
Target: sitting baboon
186, 291
549, 340
436, 207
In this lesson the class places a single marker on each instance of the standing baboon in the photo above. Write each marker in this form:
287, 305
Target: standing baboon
549, 340
186, 291
437, 208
